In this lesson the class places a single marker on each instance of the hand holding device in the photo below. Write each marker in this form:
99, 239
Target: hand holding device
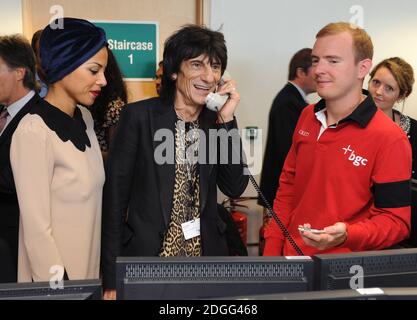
333, 236
315, 231
215, 101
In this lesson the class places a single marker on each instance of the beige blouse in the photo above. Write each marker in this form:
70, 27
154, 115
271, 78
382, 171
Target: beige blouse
59, 187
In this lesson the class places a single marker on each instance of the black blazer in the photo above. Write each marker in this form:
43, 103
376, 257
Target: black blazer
138, 192
283, 116
9, 206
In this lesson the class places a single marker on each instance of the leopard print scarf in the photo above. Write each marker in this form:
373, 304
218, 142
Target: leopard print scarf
186, 197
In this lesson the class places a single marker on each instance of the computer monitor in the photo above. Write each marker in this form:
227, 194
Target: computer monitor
158, 278
71, 290
370, 294
385, 268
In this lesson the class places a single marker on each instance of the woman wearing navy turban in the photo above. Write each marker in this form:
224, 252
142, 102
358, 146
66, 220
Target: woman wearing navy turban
56, 160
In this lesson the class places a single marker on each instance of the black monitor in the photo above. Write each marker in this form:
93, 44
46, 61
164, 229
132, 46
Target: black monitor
385, 268
157, 278
369, 294
71, 290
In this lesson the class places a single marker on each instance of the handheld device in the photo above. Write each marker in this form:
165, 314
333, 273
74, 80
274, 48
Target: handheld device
215, 101
316, 231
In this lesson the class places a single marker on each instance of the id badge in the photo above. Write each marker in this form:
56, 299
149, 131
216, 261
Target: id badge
191, 229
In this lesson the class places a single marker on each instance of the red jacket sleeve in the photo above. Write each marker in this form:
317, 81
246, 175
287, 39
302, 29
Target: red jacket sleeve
390, 223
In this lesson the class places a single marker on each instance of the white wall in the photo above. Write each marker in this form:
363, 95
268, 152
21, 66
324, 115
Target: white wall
262, 36
10, 16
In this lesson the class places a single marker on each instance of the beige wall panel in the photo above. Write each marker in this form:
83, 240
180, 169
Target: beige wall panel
171, 14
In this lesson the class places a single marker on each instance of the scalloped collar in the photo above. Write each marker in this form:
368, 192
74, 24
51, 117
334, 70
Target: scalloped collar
67, 128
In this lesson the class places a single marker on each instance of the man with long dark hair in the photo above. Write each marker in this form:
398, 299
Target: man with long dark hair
169, 208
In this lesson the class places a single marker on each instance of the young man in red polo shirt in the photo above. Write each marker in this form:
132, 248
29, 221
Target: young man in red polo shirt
349, 167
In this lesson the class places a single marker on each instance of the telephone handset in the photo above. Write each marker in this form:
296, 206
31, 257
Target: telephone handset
215, 101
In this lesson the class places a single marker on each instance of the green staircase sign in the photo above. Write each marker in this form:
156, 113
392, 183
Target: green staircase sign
135, 46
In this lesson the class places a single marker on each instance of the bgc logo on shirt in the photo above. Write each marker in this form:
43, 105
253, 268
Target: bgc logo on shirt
356, 159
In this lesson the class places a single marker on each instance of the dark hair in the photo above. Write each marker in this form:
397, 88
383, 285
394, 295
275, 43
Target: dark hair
402, 72
189, 42
35, 41
302, 59
115, 89
17, 53
35, 47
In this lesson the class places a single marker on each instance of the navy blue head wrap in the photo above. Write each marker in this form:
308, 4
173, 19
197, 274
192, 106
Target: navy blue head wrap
64, 50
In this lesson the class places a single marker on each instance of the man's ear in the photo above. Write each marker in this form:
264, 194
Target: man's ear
364, 68
300, 72
21, 72
174, 76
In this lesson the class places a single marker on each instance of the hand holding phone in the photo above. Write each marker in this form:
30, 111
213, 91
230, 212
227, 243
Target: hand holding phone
315, 231
215, 101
